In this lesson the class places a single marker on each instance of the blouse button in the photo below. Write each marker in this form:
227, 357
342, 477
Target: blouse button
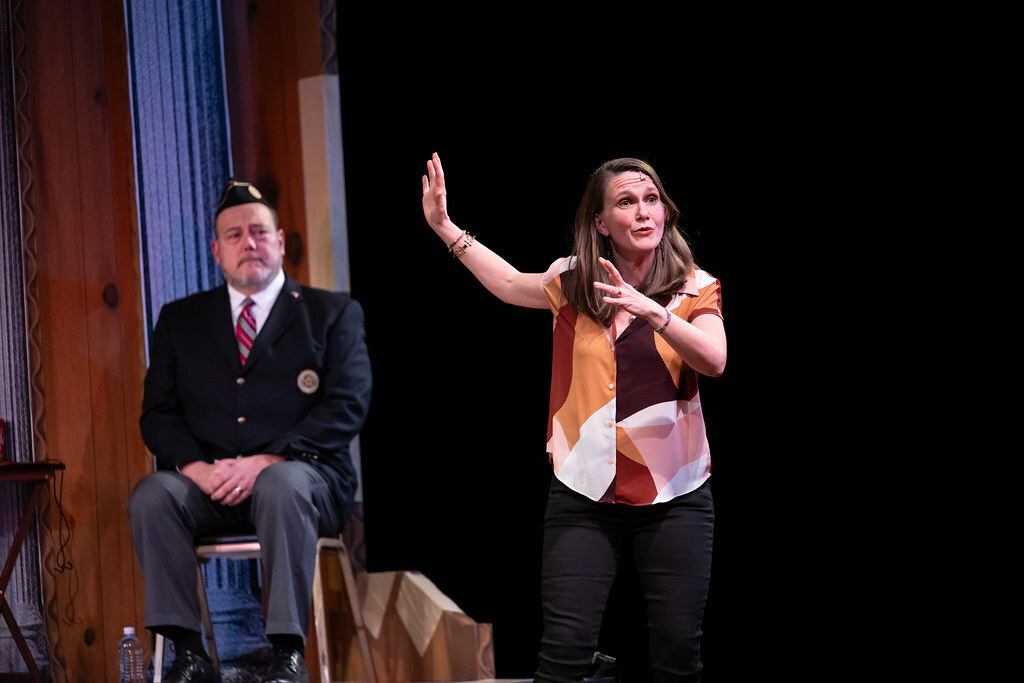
610, 423
240, 381
241, 420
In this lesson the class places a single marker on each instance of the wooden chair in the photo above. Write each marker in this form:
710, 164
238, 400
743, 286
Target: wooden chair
246, 548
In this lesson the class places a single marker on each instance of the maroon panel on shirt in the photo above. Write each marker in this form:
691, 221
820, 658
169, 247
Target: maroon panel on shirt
642, 376
561, 361
688, 383
633, 482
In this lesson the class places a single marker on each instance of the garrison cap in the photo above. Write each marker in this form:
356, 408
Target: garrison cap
237, 192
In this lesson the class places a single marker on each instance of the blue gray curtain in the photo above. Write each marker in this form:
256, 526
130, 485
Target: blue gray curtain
181, 137
183, 158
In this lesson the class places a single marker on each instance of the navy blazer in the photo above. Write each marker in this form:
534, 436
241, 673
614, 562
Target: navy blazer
303, 393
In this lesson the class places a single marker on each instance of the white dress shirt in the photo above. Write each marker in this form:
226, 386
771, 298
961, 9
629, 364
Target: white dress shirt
263, 300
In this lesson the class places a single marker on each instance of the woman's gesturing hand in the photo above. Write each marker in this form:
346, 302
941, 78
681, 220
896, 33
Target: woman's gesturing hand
626, 297
700, 343
435, 197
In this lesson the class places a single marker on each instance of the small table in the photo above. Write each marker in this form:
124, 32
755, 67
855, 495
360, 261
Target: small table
40, 473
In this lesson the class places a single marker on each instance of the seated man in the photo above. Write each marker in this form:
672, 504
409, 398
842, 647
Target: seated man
254, 391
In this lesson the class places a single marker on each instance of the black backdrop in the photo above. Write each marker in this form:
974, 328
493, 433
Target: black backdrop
522, 104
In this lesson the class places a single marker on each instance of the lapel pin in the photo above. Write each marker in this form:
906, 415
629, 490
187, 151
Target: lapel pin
309, 381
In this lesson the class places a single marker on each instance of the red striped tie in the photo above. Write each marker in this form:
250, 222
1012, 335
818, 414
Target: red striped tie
245, 330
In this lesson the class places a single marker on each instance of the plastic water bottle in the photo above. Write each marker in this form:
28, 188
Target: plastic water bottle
130, 651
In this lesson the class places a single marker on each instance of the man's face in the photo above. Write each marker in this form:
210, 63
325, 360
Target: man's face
249, 248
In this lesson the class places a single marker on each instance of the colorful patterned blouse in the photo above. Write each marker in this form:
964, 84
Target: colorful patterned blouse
625, 422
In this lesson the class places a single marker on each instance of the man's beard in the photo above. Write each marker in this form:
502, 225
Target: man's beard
253, 280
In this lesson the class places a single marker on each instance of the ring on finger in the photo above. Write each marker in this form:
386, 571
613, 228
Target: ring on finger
238, 490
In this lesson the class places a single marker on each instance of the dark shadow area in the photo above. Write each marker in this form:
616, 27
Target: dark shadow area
522, 106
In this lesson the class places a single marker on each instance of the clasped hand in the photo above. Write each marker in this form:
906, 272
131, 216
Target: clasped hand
229, 480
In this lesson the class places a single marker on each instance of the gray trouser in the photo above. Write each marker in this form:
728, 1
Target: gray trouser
290, 507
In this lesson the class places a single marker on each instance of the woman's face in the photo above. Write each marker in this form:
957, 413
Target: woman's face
633, 217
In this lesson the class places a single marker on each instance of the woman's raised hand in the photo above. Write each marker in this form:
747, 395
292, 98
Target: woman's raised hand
435, 198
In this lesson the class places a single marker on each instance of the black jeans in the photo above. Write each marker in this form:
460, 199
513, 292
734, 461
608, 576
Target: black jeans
583, 543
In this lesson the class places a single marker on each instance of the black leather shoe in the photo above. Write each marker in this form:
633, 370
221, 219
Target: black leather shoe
287, 666
189, 667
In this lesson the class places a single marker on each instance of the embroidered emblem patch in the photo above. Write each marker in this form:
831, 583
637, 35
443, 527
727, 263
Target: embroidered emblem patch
309, 381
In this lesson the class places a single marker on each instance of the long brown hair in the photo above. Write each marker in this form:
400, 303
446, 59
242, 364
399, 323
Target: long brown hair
672, 264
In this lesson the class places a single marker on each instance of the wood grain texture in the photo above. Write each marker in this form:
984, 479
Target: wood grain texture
87, 346
89, 313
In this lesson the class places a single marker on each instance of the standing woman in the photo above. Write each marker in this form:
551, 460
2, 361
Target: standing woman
635, 323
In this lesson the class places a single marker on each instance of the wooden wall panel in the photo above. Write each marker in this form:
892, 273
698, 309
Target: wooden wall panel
92, 339
90, 313
269, 46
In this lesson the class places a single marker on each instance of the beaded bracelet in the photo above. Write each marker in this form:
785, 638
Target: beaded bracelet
456, 240
457, 252
668, 319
